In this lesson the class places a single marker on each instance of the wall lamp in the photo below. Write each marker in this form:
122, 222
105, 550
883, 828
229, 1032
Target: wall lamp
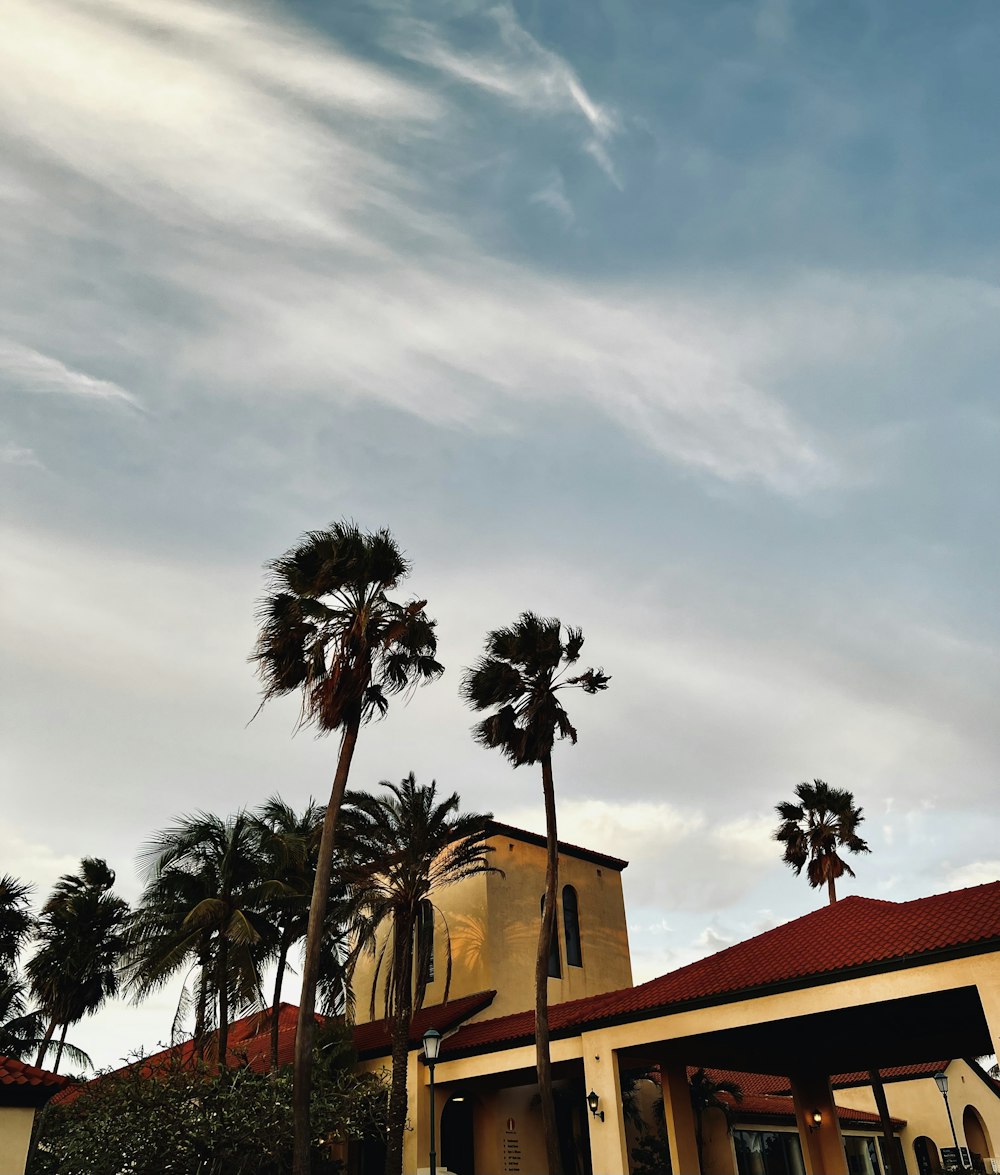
593, 1101
815, 1120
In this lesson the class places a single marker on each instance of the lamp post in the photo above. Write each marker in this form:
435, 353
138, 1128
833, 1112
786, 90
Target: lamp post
941, 1081
432, 1046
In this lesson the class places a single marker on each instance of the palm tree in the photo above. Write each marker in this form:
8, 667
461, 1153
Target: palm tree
290, 847
812, 830
16, 921
81, 932
201, 906
706, 1095
330, 631
405, 847
519, 678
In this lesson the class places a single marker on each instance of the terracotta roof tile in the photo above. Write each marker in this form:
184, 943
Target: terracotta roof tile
18, 1073
853, 933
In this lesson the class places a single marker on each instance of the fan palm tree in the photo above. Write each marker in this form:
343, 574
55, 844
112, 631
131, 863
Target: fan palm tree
406, 846
823, 821
329, 630
81, 935
519, 678
706, 1094
201, 906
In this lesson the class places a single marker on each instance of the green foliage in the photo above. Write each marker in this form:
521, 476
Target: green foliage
188, 1120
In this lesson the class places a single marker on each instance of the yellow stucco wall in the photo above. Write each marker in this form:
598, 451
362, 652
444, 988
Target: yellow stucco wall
493, 924
922, 1107
15, 1134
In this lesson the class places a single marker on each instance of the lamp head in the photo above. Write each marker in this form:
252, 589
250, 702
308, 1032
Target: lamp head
941, 1081
592, 1101
432, 1045
816, 1117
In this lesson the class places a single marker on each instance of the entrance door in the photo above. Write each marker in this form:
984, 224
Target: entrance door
458, 1147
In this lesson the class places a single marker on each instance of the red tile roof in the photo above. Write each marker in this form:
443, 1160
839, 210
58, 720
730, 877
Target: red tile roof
22, 1084
250, 1038
375, 1039
853, 934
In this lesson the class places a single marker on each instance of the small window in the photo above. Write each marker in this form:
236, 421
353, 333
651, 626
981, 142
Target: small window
425, 942
555, 971
571, 928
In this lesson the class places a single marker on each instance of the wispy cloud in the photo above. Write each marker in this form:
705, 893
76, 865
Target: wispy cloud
24, 369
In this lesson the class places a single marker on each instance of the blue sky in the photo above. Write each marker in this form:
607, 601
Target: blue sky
676, 320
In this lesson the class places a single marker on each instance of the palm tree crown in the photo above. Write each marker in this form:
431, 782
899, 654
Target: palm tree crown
518, 678
16, 922
824, 820
329, 630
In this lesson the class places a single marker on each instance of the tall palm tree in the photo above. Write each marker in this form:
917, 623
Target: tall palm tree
81, 934
706, 1094
202, 906
823, 821
519, 678
405, 847
329, 630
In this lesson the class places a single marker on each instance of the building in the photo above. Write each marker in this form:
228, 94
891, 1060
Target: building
24, 1090
858, 988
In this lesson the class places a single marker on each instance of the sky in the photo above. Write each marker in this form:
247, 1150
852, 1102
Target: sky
676, 320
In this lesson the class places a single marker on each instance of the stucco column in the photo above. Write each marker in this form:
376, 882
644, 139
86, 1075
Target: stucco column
680, 1119
608, 1145
823, 1145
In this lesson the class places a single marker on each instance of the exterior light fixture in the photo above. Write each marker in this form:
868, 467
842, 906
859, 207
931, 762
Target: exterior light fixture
941, 1081
593, 1101
816, 1119
432, 1047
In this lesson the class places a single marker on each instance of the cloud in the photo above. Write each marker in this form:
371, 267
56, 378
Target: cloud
12, 453
974, 873
298, 246
28, 370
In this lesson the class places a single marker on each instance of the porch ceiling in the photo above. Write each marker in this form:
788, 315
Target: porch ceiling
883, 1034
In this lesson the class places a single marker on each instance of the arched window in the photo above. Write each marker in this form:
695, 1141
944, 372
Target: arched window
926, 1153
977, 1137
555, 971
425, 942
571, 927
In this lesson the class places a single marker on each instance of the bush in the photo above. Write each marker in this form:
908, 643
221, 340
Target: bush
171, 1118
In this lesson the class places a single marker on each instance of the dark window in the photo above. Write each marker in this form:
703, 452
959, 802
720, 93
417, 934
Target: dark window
555, 971
425, 942
767, 1152
571, 927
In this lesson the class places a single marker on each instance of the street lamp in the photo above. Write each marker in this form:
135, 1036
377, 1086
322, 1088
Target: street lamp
941, 1081
432, 1046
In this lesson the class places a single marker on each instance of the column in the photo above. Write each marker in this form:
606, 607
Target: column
988, 986
608, 1144
822, 1145
680, 1119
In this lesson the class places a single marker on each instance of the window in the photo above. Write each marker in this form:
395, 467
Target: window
571, 927
767, 1152
860, 1154
555, 971
425, 942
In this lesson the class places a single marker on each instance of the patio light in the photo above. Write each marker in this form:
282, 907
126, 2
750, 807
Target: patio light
432, 1047
593, 1101
817, 1119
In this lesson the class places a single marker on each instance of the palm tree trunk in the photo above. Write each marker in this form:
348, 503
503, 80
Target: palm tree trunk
276, 1003
542, 1061
202, 1009
831, 885
45, 1043
223, 1004
402, 986
59, 1050
306, 1026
